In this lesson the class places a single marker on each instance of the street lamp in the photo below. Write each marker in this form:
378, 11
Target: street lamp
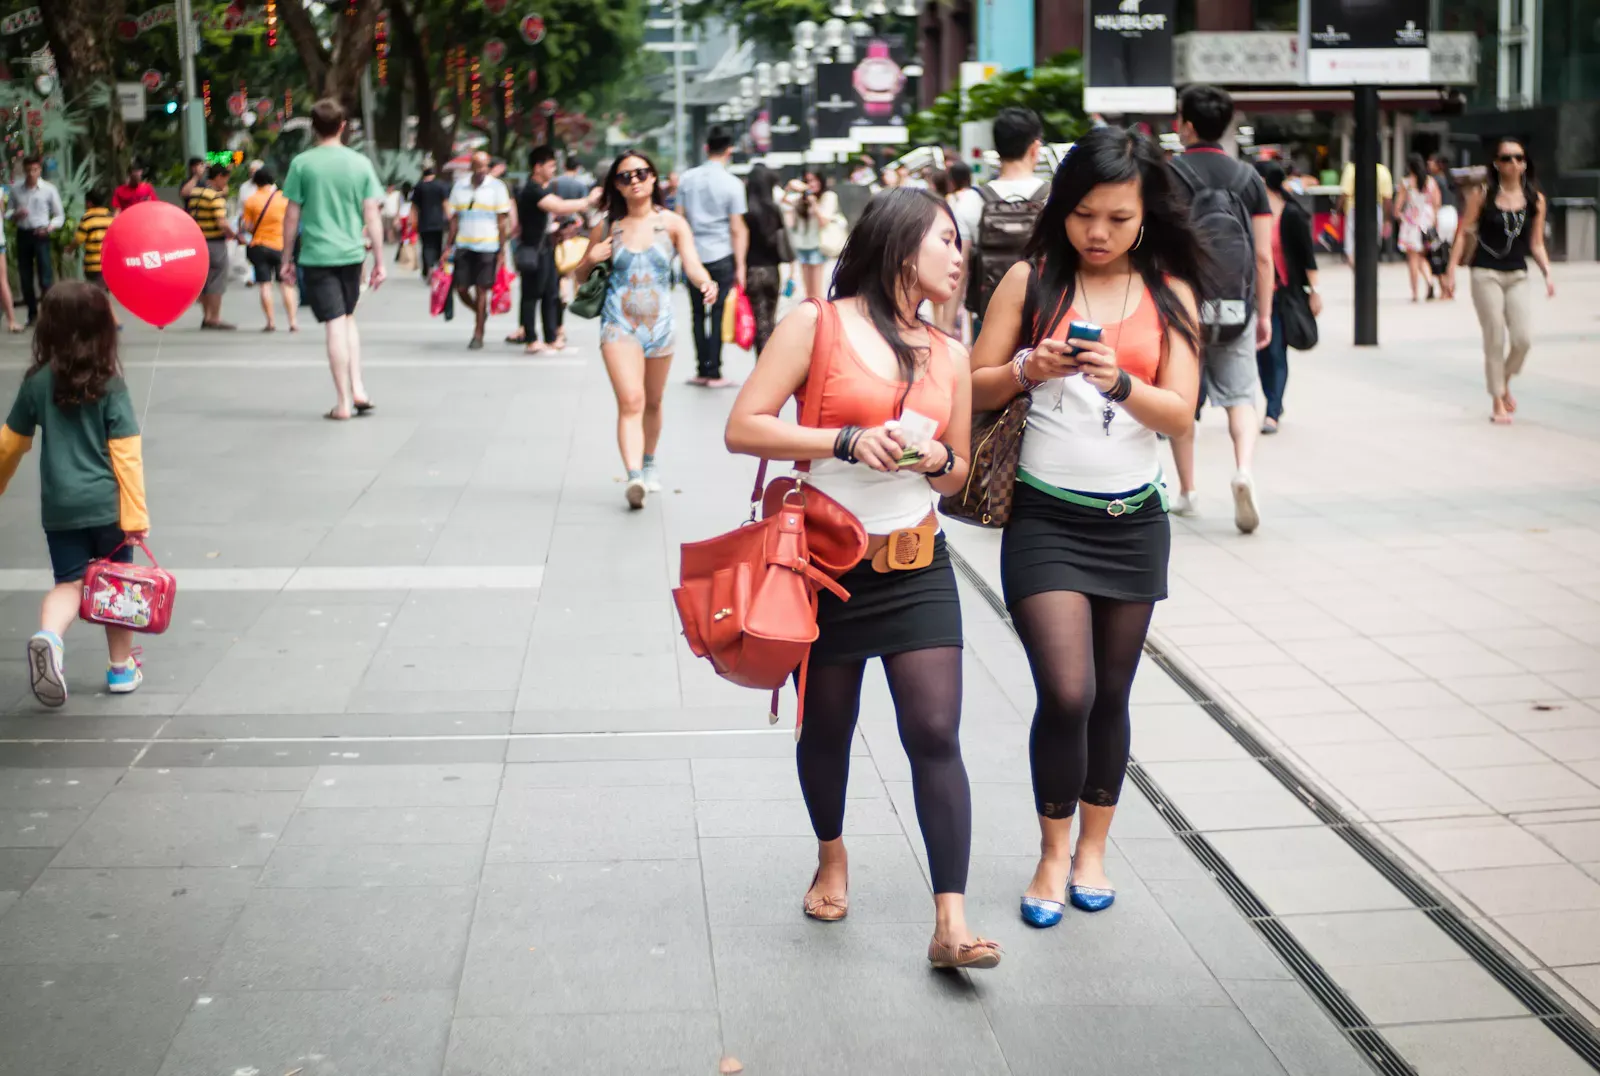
833, 32
844, 8
875, 8
805, 35
906, 9
783, 72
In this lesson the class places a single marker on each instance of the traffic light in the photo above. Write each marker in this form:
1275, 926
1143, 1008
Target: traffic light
172, 107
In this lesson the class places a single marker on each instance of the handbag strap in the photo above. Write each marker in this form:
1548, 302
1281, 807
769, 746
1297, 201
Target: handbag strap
261, 216
128, 540
823, 345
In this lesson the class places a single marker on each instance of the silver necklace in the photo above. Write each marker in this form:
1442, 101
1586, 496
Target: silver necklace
1109, 412
1512, 221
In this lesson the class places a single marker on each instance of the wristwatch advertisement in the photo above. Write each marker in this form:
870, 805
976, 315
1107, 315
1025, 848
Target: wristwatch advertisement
878, 81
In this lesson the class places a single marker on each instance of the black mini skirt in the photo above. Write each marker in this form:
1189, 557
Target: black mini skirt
889, 612
1051, 544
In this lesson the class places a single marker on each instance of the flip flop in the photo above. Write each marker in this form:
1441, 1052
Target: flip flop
330, 416
363, 408
269, 328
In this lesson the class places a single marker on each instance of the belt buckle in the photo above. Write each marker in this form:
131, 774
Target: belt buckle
1117, 507
895, 556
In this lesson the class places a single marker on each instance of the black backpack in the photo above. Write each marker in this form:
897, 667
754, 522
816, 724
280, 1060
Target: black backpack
1004, 228
1223, 224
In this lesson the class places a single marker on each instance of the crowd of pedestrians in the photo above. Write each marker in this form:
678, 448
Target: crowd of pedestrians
1112, 300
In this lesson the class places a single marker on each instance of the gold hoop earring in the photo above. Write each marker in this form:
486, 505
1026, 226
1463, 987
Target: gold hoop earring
1139, 240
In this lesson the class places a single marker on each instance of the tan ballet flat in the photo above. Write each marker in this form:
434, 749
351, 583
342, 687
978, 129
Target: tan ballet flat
823, 908
978, 956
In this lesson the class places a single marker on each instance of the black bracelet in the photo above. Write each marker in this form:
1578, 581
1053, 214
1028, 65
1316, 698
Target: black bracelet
844, 445
1122, 389
949, 460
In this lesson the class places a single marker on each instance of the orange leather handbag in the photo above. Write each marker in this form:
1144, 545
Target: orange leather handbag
748, 598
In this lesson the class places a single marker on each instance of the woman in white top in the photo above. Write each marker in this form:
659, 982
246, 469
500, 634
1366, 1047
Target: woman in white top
894, 426
1084, 557
813, 208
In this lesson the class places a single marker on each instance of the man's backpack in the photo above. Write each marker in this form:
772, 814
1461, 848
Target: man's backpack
1223, 224
1004, 228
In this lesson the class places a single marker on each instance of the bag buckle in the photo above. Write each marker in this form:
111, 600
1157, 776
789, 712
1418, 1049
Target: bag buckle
1117, 507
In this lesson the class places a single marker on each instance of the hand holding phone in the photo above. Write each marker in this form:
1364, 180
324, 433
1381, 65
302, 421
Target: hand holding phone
1082, 330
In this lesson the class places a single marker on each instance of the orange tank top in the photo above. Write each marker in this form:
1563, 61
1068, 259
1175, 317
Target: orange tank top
1136, 338
854, 394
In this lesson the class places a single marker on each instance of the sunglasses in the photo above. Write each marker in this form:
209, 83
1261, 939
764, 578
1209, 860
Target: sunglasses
638, 175
1511, 158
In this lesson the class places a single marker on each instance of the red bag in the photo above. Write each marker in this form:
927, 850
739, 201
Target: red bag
438, 289
744, 320
130, 596
748, 598
500, 297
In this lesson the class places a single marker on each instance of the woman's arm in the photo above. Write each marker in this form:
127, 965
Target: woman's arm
1435, 196
693, 269
958, 434
994, 379
1536, 247
1168, 405
1468, 223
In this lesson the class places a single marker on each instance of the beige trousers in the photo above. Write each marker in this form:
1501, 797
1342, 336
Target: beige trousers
1501, 299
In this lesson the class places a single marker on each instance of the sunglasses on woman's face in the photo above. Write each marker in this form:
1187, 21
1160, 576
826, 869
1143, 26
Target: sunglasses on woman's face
1511, 158
638, 175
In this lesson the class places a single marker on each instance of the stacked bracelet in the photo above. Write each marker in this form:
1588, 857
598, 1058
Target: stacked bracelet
1018, 361
1122, 389
844, 445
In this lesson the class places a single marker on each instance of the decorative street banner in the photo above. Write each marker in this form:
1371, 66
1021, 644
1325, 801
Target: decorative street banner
19, 21
837, 105
1365, 42
1129, 67
532, 29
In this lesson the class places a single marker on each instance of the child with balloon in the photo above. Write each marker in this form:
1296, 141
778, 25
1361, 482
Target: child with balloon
91, 471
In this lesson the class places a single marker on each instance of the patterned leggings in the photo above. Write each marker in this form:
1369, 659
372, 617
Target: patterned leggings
761, 285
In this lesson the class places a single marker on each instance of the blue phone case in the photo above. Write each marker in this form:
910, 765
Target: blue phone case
1082, 330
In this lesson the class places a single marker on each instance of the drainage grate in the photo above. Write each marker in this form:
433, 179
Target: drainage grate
1345, 1013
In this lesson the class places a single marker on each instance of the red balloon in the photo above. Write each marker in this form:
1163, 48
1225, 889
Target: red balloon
155, 260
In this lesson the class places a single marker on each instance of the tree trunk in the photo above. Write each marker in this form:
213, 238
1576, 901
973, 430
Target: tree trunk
334, 73
432, 136
81, 39
303, 32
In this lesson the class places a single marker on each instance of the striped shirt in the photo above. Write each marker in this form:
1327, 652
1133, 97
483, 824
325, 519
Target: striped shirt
209, 209
477, 211
91, 235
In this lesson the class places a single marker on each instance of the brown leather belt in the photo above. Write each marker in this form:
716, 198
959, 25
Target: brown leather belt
903, 550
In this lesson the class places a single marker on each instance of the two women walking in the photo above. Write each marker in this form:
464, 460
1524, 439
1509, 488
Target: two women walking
1085, 553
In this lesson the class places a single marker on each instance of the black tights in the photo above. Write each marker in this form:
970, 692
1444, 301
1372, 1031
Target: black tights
926, 685
1083, 652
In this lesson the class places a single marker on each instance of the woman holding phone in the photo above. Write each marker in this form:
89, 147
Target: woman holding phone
1098, 321
890, 374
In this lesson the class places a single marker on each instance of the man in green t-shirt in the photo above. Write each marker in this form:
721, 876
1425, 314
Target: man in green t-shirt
334, 195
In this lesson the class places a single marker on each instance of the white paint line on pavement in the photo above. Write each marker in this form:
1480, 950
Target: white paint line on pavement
520, 362
272, 580
446, 738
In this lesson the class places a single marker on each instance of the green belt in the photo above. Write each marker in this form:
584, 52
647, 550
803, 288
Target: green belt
1118, 507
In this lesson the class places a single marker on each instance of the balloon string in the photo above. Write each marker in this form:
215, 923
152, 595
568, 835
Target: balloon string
150, 392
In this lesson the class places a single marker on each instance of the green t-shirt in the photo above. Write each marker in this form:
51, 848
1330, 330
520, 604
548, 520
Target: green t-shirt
77, 485
329, 184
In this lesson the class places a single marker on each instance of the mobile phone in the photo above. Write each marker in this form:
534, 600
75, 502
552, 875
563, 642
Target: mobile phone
1082, 330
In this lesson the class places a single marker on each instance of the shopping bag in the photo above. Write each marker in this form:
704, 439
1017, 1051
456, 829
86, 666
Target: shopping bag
500, 297
438, 289
138, 597
744, 320
729, 317
406, 256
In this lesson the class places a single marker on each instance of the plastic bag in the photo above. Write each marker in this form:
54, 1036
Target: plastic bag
500, 297
744, 320
438, 289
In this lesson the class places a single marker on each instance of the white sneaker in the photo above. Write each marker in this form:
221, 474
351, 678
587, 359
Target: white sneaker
636, 493
1246, 516
46, 673
1186, 504
652, 478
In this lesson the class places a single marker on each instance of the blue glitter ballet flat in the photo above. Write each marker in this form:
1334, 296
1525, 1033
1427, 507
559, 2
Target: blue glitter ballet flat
1088, 898
1041, 913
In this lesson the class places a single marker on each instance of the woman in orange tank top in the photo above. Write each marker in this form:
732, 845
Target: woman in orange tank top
895, 423
1084, 557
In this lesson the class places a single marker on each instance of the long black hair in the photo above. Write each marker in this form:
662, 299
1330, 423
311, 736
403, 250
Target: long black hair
1418, 167
1169, 246
763, 211
1530, 182
616, 202
880, 259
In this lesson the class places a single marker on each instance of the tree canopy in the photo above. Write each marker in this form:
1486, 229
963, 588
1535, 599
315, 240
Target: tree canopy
1054, 90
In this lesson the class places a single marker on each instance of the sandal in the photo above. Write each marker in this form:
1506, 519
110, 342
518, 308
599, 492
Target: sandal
980, 955
334, 416
364, 406
822, 908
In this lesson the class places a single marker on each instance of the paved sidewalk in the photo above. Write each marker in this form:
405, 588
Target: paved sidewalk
1417, 623
423, 781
